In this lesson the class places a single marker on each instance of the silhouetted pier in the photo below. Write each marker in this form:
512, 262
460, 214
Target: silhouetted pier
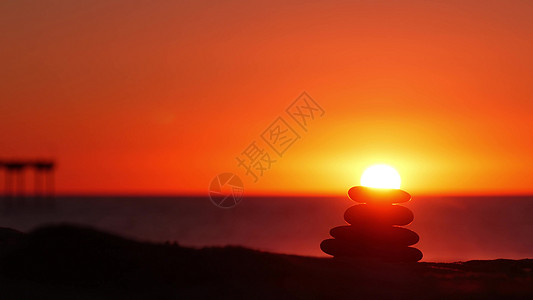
15, 172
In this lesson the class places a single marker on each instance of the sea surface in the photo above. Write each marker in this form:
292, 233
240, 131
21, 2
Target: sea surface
450, 228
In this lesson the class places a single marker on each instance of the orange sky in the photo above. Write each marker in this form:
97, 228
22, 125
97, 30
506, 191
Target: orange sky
144, 97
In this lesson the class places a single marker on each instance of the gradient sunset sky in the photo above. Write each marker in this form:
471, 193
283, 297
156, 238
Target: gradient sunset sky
158, 97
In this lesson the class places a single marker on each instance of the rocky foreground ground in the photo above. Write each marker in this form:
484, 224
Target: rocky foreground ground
69, 262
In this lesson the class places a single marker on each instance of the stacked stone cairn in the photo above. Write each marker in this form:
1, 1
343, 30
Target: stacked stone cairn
374, 231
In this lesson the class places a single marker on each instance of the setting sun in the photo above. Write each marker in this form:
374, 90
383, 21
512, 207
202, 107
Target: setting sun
381, 176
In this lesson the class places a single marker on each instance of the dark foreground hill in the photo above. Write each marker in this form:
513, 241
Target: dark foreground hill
69, 262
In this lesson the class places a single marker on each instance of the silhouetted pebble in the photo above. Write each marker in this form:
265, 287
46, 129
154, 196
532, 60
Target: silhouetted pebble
382, 235
371, 214
340, 248
378, 196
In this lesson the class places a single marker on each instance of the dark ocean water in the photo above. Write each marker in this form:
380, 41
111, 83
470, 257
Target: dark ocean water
450, 228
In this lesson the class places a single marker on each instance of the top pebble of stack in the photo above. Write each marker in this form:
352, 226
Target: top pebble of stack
368, 195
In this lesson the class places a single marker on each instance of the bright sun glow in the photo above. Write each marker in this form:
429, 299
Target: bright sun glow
381, 176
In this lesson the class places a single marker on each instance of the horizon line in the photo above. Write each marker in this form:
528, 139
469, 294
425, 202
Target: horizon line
266, 195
